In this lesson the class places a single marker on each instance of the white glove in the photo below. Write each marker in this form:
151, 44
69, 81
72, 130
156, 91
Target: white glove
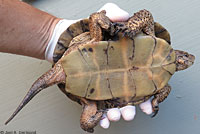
60, 27
114, 114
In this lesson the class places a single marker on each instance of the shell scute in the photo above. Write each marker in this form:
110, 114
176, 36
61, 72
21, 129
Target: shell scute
171, 68
170, 58
128, 69
144, 46
161, 51
143, 82
160, 77
101, 87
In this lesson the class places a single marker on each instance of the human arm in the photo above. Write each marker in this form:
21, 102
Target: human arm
25, 30
28, 31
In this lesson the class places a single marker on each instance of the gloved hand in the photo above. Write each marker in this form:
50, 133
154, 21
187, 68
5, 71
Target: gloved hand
128, 112
35, 34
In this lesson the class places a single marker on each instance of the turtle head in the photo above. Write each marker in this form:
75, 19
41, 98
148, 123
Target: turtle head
183, 60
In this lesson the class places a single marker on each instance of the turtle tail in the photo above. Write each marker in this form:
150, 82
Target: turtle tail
53, 76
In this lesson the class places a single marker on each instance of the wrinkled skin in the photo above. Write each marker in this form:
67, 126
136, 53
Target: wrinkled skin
183, 60
141, 21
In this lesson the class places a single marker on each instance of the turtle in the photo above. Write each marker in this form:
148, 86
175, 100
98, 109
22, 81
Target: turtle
125, 69
80, 27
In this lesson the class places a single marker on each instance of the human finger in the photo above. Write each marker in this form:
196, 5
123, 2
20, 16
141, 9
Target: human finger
104, 122
114, 114
146, 107
128, 112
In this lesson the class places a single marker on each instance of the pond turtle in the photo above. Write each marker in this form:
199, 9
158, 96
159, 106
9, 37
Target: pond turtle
80, 27
125, 69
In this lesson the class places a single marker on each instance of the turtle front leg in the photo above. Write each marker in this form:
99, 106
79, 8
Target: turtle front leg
160, 97
97, 22
140, 21
90, 116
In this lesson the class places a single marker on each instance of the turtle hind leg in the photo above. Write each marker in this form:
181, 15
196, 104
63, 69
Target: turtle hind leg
140, 21
160, 97
53, 76
90, 116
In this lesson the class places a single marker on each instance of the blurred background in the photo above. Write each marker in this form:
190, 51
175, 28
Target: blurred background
51, 112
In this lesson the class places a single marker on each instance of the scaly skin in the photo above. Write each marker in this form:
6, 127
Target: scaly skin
159, 97
183, 60
96, 23
140, 21
90, 116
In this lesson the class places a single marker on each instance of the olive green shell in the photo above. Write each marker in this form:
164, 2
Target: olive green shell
83, 26
129, 69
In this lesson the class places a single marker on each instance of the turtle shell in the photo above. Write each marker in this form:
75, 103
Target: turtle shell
72, 31
161, 32
83, 26
129, 69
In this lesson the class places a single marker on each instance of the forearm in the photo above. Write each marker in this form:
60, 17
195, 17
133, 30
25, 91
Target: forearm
24, 29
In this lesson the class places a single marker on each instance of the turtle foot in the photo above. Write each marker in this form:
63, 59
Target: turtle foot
88, 123
90, 116
124, 29
160, 97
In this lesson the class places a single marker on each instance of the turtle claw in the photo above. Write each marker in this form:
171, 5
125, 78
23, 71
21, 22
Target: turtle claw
124, 34
125, 30
114, 28
130, 34
117, 27
155, 111
115, 24
90, 130
117, 31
